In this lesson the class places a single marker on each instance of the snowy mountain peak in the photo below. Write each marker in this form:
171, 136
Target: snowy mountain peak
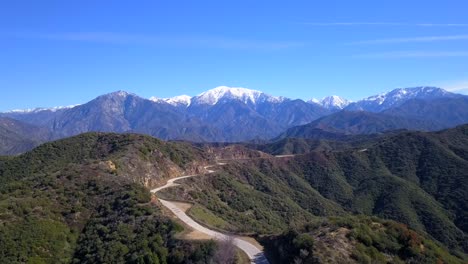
213, 96
120, 93
332, 102
335, 101
175, 101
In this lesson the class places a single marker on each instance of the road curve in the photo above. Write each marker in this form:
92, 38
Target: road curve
255, 255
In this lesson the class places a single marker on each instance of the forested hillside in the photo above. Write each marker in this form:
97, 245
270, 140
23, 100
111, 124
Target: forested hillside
355, 239
419, 179
76, 201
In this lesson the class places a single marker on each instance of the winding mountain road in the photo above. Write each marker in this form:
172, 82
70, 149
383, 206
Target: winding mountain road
255, 254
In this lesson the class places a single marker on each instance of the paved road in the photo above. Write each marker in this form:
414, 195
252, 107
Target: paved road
256, 255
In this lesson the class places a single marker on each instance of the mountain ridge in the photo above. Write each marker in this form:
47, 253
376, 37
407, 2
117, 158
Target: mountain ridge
396, 97
246, 95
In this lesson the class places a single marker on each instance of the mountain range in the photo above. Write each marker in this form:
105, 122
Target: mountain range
226, 114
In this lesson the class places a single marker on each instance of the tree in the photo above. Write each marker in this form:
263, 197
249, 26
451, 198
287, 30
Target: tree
225, 252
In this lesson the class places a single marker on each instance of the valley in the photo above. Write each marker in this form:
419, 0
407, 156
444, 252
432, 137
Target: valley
253, 252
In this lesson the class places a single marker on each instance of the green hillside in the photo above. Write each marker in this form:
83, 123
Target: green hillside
355, 239
419, 179
70, 202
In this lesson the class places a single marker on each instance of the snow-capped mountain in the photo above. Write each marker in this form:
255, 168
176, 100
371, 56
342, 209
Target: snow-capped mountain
224, 93
237, 114
221, 94
397, 97
332, 102
220, 114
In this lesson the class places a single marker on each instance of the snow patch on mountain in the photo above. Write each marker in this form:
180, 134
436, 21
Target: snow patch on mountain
175, 101
40, 109
407, 93
121, 93
314, 100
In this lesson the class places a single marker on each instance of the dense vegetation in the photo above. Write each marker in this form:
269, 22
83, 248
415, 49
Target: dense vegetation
358, 123
250, 201
313, 144
66, 202
419, 179
355, 239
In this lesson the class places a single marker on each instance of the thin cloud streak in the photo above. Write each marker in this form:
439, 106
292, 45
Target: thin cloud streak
411, 54
353, 24
458, 87
412, 39
327, 24
178, 41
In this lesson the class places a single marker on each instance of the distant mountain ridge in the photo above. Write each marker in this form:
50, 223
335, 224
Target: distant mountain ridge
386, 100
397, 97
360, 122
412, 115
226, 114
220, 114
17, 136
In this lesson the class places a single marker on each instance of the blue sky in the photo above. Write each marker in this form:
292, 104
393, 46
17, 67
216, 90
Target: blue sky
68, 52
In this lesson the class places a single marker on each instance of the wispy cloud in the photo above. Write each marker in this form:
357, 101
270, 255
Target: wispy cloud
455, 86
412, 39
411, 54
178, 41
327, 24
